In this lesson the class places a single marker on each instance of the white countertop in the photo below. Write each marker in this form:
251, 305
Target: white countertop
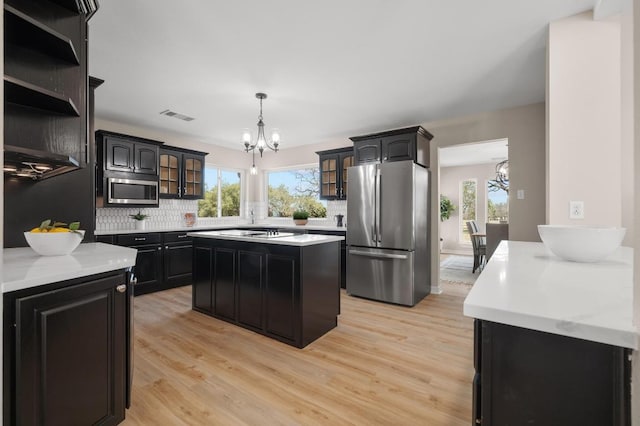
23, 268
205, 227
299, 240
527, 286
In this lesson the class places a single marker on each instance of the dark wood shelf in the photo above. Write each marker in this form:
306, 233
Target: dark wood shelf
71, 5
23, 30
20, 92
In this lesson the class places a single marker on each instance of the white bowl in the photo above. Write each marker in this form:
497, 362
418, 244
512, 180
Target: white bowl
581, 243
54, 243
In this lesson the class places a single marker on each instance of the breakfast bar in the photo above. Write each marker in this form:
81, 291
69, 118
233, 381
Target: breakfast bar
552, 338
283, 285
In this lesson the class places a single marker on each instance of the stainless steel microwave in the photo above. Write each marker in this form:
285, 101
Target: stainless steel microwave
132, 191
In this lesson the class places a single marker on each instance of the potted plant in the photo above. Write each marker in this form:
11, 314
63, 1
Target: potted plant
446, 209
139, 218
300, 217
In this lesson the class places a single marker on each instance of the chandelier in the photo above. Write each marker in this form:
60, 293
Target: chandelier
502, 177
261, 141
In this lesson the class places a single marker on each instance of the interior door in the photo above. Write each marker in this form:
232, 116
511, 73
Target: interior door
361, 205
397, 206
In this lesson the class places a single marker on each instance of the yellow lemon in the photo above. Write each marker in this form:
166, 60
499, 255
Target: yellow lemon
59, 230
35, 230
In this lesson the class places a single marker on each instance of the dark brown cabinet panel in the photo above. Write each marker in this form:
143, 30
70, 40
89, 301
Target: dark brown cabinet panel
70, 353
170, 174
411, 143
146, 159
224, 283
202, 289
281, 297
530, 377
250, 288
119, 155
127, 154
177, 259
333, 172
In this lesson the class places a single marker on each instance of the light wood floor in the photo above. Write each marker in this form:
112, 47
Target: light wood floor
382, 365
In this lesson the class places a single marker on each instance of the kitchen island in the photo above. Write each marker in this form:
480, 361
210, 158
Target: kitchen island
283, 285
66, 334
552, 338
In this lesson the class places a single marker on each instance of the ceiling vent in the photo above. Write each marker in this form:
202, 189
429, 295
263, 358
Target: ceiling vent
174, 114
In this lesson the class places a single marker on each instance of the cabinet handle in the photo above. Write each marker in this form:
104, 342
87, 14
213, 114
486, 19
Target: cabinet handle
133, 280
159, 248
166, 247
183, 236
140, 239
121, 288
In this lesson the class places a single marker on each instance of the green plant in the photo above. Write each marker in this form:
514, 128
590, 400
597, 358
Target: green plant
446, 208
300, 215
139, 216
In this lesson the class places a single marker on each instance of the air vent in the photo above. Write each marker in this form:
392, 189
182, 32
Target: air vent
174, 114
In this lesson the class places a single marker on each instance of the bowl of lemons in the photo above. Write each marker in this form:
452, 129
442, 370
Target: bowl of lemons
54, 238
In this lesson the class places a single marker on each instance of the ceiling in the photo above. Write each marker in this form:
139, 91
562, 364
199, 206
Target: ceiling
488, 152
331, 69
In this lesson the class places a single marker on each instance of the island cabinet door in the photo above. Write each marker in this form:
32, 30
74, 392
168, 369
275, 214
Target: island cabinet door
70, 355
250, 289
202, 290
531, 377
282, 297
224, 283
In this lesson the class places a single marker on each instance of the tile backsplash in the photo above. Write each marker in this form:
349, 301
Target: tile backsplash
170, 214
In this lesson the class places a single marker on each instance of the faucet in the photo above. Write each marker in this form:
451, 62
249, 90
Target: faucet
252, 217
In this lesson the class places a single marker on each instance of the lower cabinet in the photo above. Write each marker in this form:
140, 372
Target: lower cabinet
285, 292
343, 253
66, 352
530, 377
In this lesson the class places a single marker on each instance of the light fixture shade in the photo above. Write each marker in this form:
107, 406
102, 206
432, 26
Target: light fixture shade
254, 170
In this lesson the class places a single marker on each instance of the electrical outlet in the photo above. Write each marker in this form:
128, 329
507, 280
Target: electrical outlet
576, 209
520, 194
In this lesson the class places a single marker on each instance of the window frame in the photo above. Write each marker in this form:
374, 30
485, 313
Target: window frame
462, 225
486, 202
243, 189
265, 186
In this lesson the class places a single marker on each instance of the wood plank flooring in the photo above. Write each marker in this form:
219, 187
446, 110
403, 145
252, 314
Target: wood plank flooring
382, 365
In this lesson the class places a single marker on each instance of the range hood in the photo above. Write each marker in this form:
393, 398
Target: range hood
35, 164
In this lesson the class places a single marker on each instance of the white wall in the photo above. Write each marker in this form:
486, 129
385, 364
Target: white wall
584, 120
450, 179
635, 390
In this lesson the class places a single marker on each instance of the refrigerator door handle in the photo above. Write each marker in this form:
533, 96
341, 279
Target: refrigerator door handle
378, 255
378, 208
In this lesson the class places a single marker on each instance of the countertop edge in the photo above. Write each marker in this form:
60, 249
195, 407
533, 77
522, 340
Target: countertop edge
282, 241
197, 228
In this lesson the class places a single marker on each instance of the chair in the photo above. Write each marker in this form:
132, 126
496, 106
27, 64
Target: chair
479, 244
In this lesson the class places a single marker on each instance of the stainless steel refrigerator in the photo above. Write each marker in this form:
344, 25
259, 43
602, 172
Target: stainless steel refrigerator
388, 255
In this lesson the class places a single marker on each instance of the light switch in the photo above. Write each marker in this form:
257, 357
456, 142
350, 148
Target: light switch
520, 194
576, 209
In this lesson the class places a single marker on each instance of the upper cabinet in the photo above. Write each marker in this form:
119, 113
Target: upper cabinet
121, 153
333, 172
181, 173
411, 143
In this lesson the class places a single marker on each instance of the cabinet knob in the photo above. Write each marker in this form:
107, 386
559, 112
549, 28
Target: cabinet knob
159, 248
122, 288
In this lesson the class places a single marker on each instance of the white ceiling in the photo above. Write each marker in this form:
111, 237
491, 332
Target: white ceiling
331, 69
488, 152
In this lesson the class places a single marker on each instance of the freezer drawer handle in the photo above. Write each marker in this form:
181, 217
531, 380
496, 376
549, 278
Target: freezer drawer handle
380, 255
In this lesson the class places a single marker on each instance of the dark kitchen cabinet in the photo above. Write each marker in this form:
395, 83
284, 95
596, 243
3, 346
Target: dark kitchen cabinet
67, 352
333, 172
177, 259
181, 173
411, 143
530, 377
285, 292
148, 269
343, 252
127, 154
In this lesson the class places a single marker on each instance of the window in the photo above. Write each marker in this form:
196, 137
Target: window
292, 189
497, 203
469, 196
222, 193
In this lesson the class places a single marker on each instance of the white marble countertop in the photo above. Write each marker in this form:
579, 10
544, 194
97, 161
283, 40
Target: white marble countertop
527, 286
23, 268
242, 226
299, 240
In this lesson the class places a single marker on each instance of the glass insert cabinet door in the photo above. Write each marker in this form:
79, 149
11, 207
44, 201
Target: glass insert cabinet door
193, 183
169, 174
329, 170
347, 161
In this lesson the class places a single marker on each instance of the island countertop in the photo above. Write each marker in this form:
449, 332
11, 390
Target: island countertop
204, 227
23, 268
525, 285
299, 240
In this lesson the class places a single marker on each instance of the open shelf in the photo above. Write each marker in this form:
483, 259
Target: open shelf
23, 30
71, 5
20, 92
